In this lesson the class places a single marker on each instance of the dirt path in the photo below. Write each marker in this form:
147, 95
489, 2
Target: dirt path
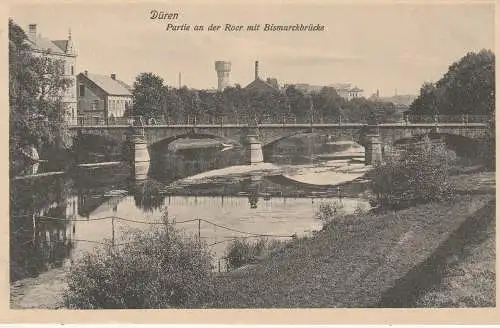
42, 292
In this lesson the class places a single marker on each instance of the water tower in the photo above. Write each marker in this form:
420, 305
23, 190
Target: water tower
223, 69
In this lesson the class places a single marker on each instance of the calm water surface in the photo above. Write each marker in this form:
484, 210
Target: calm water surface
57, 218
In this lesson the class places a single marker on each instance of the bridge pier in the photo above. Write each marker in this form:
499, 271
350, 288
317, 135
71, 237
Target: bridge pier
373, 149
254, 153
139, 157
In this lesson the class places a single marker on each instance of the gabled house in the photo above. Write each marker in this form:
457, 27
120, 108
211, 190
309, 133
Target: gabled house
102, 98
64, 51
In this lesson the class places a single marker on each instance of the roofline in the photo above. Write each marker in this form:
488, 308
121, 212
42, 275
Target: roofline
107, 93
53, 53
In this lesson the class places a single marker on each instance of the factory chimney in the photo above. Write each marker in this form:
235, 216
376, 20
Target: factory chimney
256, 69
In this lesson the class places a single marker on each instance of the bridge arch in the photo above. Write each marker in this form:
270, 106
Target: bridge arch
463, 146
168, 140
89, 147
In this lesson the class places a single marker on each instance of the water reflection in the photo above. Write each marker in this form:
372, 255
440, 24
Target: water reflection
148, 195
169, 165
37, 242
55, 218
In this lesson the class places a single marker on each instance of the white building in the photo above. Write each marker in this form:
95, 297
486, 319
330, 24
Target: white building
58, 50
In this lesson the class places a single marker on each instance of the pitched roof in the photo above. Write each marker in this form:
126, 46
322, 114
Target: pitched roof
260, 85
109, 85
341, 86
63, 44
44, 44
125, 85
356, 89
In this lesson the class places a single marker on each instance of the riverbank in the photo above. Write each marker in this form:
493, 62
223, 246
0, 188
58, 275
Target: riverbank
42, 292
374, 251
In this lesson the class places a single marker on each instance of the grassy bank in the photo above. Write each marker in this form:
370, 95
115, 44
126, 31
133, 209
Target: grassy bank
468, 276
362, 261
349, 264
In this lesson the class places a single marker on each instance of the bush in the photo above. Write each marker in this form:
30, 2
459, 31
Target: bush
158, 268
418, 174
328, 211
242, 251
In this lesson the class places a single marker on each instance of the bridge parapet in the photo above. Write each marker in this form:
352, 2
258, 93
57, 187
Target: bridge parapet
243, 120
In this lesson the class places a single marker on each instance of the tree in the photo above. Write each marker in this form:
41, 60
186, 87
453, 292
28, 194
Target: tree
36, 87
328, 103
148, 95
418, 174
467, 88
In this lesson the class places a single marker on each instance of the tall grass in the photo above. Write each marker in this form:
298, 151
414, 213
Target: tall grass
243, 251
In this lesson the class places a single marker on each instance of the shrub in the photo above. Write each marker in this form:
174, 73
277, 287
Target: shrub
242, 251
157, 268
418, 174
328, 211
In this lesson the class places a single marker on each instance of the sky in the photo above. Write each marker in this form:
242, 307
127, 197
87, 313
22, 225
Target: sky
389, 47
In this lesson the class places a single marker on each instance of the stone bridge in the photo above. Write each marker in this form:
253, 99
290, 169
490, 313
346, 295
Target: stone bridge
268, 134
372, 137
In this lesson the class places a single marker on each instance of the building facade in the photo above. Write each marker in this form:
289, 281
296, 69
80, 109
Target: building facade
347, 91
64, 51
102, 98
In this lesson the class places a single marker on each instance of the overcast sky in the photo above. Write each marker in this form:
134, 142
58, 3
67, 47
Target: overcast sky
385, 47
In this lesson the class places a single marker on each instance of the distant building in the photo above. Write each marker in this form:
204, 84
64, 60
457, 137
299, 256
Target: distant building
223, 69
58, 50
102, 97
308, 88
347, 91
402, 100
260, 85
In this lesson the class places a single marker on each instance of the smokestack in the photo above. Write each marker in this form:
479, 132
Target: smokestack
86, 72
113, 76
32, 31
256, 69
180, 80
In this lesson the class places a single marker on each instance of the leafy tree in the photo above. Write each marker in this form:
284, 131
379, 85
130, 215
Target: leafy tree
418, 174
467, 88
328, 103
36, 87
148, 94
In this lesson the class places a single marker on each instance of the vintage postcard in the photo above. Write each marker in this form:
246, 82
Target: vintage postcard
279, 162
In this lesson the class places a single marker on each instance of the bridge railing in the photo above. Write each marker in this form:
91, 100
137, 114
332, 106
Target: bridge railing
465, 118
273, 119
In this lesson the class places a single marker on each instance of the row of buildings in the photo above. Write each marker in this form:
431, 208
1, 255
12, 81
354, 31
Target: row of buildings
103, 98
91, 96
223, 69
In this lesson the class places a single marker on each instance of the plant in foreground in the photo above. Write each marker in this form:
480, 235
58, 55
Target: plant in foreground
157, 268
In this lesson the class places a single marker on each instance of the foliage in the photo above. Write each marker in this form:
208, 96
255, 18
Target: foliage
327, 212
418, 174
243, 251
154, 98
156, 268
36, 88
467, 88
148, 95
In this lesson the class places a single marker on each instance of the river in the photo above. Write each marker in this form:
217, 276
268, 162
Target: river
57, 218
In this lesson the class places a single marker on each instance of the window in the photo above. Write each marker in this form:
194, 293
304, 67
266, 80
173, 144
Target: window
72, 70
82, 90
